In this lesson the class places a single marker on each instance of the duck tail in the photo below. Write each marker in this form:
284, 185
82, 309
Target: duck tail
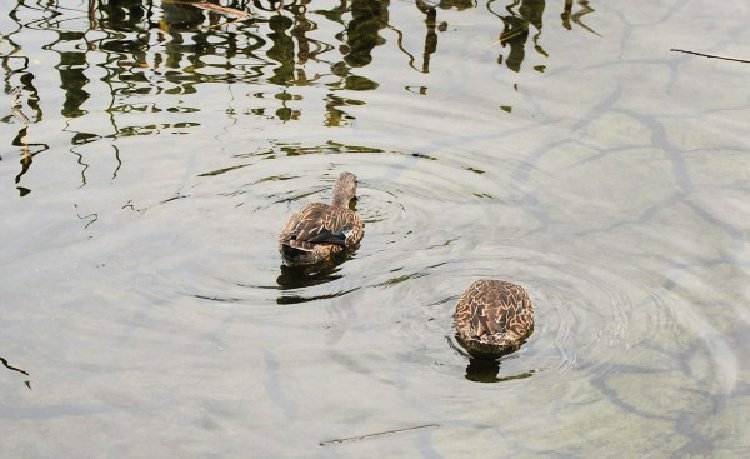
292, 252
300, 246
298, 253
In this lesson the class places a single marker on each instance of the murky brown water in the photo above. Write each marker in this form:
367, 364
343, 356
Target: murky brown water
153, 151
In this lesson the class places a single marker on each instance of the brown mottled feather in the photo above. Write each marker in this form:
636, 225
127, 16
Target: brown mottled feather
493, 317
297, 242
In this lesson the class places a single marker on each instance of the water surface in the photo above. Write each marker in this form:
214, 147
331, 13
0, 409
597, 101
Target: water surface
152, 151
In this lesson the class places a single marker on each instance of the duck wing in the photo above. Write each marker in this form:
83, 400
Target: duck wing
321, 224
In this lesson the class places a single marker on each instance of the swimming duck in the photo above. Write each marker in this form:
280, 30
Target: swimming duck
319, 231
493, 318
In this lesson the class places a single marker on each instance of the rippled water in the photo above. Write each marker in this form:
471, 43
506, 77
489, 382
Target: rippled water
153, 151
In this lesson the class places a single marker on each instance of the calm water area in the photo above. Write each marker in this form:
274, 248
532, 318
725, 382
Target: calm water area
151, 152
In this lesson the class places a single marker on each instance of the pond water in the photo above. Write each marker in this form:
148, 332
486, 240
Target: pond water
152, 151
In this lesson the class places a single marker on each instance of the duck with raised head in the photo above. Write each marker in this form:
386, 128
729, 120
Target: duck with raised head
319, 231
493, 318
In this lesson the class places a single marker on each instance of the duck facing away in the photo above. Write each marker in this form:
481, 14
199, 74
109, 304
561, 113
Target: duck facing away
320, 231
493, 318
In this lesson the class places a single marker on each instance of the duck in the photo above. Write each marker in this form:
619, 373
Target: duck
493, 318
320, 231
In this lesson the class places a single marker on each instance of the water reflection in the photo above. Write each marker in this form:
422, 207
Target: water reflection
28, 150
19, 82
362, 32
522, 19
295, 277
482, 370
568, 15
72, 77
430, 39
517, 24
487, 371
169, 48
294, 280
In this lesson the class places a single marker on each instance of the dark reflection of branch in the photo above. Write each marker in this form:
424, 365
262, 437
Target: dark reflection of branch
430, 39
85, 167
567, 15
516, 26
585, 9
27, 158
400, 44
91, 10
92, 216
521, 16
14, 54
119, 161
27, 88
22, 71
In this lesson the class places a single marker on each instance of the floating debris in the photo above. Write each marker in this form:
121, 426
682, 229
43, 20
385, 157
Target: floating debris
226, 11
366, 436
711, 56
5, 363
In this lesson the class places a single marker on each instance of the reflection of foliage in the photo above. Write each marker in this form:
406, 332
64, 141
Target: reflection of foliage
336, 116
368, 17
282, 50
143, 48
285, 113
516, 27
568, 15
72, 77
16, 69
523, 15
457, 4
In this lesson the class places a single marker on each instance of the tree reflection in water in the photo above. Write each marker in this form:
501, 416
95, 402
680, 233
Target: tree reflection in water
146, 47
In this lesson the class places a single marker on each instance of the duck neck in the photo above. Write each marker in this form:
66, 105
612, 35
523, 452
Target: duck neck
341, 199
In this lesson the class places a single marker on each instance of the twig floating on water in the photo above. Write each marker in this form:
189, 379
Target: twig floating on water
11, 367
364, 437
711, 56
226, 11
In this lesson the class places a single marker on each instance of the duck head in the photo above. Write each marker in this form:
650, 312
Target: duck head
344, 190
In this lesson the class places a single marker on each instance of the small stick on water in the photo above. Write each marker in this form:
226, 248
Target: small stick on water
11, 367
338, 441
711, 56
